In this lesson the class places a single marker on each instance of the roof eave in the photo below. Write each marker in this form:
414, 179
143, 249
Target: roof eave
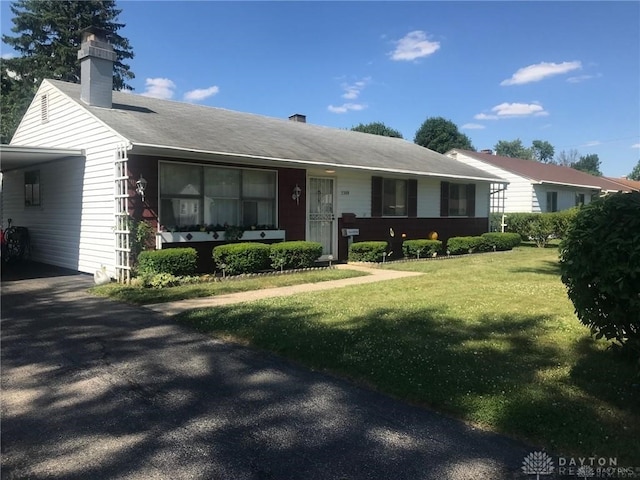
189, 153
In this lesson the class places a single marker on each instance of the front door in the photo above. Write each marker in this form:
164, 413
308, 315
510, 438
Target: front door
321, 217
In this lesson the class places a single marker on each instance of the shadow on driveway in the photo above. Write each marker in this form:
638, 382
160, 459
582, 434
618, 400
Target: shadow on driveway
96, 389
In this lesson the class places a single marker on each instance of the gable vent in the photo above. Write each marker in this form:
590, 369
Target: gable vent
44, 108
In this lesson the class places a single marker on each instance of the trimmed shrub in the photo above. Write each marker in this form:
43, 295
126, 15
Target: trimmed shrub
176, 261
600, 265
367, 251
237, 258
502, 241
540, 227
562, 220
299, 254
421, 248
460, 245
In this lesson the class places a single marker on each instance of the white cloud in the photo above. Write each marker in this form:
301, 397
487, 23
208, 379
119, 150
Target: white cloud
7, 56
346, 107
200, 94
592, 143
635, 145
414, 45
510, 110
540, 71
472, 126
353, 90
159, 88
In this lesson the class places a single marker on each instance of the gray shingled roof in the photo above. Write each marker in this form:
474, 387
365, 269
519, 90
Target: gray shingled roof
169, 124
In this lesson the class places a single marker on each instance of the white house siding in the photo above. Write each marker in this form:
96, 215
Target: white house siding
85, 210
518, 197
354, 195
566, 196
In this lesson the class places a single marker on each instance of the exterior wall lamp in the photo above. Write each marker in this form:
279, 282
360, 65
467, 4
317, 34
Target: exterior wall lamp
297, 191
141, 186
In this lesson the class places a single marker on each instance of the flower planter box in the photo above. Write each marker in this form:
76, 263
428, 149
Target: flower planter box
218, 236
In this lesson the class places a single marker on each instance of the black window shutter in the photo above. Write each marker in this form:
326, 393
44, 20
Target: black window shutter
376, 196
412, 198
471, 200
444, 199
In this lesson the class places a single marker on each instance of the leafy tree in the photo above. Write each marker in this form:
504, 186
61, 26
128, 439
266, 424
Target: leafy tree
377, 128
566, 159
513, 149
588, 164
599, 261
441, 135
635, 173
48, 37
542, 151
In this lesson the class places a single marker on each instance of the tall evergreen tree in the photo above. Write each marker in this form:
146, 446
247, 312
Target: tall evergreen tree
635, 173
48, 37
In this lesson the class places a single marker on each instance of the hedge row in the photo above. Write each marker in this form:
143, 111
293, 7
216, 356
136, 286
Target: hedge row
251, 257
175, 261
487, 242
539, 227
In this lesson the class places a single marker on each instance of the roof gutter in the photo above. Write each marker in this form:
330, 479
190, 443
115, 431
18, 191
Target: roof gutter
163, 150
595, 187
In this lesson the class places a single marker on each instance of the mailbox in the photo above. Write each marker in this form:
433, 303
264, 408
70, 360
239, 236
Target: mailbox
350, 232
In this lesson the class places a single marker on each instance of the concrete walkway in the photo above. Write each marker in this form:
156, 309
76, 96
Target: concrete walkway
374, 275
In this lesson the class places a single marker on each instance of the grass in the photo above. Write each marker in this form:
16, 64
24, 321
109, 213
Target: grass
144, 296
489, 338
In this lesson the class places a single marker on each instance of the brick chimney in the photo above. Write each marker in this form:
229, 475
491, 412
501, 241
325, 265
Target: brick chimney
297, 117
96, 57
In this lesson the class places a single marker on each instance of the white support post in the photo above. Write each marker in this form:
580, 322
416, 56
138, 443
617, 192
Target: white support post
123, 246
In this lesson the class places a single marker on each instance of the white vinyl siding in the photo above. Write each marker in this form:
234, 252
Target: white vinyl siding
566, 196
518, 196
74, 226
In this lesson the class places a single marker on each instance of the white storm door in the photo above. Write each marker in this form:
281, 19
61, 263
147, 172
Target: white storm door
321, 217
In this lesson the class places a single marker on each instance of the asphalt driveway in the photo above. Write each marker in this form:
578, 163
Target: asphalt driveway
94, 389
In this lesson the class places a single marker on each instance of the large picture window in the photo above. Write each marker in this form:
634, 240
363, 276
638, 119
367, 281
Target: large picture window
193, 195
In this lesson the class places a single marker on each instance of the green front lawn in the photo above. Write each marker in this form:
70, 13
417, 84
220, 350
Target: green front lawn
489, 338
145, 296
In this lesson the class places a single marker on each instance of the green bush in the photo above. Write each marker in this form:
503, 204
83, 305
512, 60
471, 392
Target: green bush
367, 251
540, 227
460, 245
297, 254
600, 265
502, 241
237, 258
163, 280
562, 220
176, 261
421, 248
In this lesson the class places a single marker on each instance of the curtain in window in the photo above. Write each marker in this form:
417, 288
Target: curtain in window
222, 196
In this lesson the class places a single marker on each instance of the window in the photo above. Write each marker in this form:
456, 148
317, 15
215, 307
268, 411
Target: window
552, 201
457, 199
392, 197
32, 188
579, 199
192, 195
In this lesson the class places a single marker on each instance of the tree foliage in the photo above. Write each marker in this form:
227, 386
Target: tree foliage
589, 164
47, 40
513, 149
542, 151
377, 128
635, 173
600, 261
441, 135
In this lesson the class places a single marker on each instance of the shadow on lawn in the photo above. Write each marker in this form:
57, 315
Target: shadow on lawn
546, 267
491, 371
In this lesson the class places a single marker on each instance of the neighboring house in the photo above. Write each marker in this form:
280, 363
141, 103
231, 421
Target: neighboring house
534, 186
625, 184
76, 164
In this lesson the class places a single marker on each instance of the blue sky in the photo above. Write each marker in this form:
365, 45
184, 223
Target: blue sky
565, 72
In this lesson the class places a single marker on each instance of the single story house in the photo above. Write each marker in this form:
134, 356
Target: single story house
535, 186
85, 158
